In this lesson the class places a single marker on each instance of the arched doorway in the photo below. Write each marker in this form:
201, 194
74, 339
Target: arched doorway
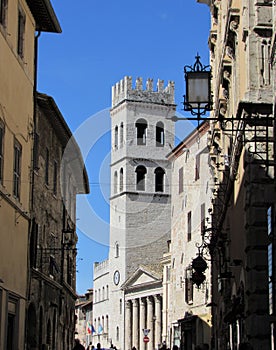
31, 328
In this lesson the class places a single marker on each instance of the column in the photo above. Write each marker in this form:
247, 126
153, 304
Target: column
128, 325
150, 322
158, 324
135, 324
142, 323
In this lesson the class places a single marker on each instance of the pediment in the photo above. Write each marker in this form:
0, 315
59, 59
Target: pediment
143, 277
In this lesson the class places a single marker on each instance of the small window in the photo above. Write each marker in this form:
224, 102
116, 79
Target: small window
140, 178
21, 32
202, 214
2, 131
121, 179
17, 169
117, 334
141, 131
159, 180
36, 151
55, 178
47, 166
115, 182
3, 12
189, 226
197, 167
160, 136
121, 135
117, 250
189, 290
180, 180
116, 137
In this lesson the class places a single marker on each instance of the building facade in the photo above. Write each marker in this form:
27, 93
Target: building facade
142, 135
59, 175
242, 148
19, 20
189, 317
84, 318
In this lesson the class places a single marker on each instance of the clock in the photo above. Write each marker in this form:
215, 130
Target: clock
116, 277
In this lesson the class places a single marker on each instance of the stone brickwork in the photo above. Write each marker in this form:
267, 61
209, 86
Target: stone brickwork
139, 218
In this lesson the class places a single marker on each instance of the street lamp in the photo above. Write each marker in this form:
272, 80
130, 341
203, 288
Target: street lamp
198, 99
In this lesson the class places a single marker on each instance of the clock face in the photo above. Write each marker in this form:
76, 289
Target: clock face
116, 277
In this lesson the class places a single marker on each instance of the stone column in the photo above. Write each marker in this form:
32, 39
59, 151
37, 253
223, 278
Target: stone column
128, 325
142, 323
150, 322
158, 324
135, 323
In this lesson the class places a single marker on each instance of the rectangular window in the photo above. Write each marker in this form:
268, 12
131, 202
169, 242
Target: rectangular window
17, 169
202, 217
197, 167
69, 271
189, 291
12, 323
36, 151
270, 260
189, 226
55, 177
21, 32
2, 130
47, 167
180, 180
3, 12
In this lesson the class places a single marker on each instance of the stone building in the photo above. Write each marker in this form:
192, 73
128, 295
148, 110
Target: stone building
189, 317
59, 175
242, 160
142, 135
19, 20
84, 318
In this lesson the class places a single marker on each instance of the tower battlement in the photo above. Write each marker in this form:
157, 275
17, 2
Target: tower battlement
123, 90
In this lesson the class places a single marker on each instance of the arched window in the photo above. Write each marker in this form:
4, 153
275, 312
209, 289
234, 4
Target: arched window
117, 334
103, 293
159, 180
54, 331
107, 324
140, 178
117, 250
107, 292
141, 131
116, 137
48, 333
160, 136
121, 179
115, 182
40, 327
121, 135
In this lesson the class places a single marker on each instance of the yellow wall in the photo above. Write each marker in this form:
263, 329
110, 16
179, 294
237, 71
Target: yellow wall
16, 112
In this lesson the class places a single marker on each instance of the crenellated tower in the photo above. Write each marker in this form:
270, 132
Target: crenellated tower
142, 136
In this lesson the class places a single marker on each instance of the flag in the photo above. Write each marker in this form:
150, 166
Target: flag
100, 329
89, 328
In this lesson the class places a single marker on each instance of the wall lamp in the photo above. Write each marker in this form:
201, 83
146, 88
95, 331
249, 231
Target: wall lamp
198, 97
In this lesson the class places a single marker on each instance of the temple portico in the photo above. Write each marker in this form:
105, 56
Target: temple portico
143, 313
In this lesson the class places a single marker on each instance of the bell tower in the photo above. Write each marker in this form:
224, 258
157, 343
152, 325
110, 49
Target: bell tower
142, 136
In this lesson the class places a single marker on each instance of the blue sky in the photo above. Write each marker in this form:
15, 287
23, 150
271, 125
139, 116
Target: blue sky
101, 42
